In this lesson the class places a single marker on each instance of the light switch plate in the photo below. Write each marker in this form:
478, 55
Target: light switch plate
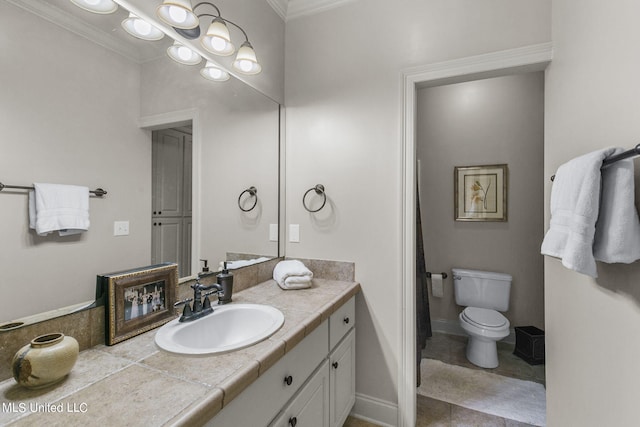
121, 228
273, 232
294, 233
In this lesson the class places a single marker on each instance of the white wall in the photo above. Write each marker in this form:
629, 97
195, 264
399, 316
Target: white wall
485, 122
592, 102
68, 115
343, 97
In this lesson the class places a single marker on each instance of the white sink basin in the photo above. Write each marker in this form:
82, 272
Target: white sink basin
229, 327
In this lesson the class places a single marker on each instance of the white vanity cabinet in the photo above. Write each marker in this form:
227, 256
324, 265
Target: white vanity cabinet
313, 385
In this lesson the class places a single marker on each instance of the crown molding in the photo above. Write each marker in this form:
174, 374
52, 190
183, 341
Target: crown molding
280, 6
298, 8
63, 19
291, 9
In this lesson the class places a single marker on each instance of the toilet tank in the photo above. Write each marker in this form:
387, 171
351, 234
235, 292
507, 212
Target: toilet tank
484, 289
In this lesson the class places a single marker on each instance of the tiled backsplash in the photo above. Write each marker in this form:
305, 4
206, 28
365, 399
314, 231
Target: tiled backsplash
88, 326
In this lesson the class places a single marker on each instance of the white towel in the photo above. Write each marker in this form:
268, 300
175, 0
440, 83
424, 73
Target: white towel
292, 274
617, 236
62, 208
575, 199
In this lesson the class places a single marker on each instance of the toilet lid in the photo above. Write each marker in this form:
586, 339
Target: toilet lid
484, 317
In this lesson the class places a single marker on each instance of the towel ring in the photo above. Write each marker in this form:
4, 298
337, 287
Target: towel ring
253, 192
319, 189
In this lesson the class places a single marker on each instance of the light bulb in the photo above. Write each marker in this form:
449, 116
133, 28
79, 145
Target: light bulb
142, 27
246, 65
184, 53
212, 72
218, 44
97, 6
178, 14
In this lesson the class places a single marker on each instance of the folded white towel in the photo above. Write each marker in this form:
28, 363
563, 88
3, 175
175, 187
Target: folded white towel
575, 199
292, 274
62, 208
617, 236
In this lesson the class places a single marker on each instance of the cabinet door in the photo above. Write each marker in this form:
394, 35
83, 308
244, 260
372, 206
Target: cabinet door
168, 172
310, 408
343, 379
166, 240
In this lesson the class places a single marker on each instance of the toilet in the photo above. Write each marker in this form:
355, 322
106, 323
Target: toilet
484, 294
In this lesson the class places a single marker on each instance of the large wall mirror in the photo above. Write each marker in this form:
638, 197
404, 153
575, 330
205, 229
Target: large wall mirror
82, 103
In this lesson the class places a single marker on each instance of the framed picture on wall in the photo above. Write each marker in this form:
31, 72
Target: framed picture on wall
480, 193
138, 300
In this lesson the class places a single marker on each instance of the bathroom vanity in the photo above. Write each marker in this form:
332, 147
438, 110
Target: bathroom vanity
304, 373
314, 384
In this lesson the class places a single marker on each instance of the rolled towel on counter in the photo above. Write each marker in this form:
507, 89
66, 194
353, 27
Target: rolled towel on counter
292, 274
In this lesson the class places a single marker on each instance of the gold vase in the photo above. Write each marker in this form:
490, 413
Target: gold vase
45, 361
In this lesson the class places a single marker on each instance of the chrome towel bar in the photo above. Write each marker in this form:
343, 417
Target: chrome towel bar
635, 151
98, 191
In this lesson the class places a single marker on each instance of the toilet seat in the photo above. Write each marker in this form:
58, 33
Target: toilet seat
484, 318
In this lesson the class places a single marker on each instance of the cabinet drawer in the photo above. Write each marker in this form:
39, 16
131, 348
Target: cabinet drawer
259, 403
341, 321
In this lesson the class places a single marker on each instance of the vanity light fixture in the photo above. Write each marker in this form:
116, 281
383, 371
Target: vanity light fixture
97, 6
217, 40
141, 29
180, 15
182, 54
212, 72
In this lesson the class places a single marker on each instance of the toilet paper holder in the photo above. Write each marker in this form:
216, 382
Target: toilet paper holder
444, 275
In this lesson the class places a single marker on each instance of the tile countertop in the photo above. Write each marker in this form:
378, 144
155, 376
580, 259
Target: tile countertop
136, 383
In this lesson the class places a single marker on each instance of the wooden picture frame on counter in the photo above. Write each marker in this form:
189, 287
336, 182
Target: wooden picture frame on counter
138, 300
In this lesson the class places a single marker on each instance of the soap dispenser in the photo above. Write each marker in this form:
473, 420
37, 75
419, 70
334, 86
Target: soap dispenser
225, 280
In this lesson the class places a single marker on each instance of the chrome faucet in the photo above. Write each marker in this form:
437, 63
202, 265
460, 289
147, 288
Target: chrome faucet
201, 303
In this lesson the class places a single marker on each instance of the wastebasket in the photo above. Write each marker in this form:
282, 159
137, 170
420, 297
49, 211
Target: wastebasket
530, 344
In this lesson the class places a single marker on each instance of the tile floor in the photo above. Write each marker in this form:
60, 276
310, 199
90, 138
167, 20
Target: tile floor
451, 349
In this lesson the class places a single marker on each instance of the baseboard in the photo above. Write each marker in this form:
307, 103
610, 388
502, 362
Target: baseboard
375, 410
451, 327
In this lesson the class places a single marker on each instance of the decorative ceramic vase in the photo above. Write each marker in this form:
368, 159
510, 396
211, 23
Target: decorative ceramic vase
45, 361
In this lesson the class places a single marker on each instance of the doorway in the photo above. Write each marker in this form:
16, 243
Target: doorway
530, 58
495, 121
